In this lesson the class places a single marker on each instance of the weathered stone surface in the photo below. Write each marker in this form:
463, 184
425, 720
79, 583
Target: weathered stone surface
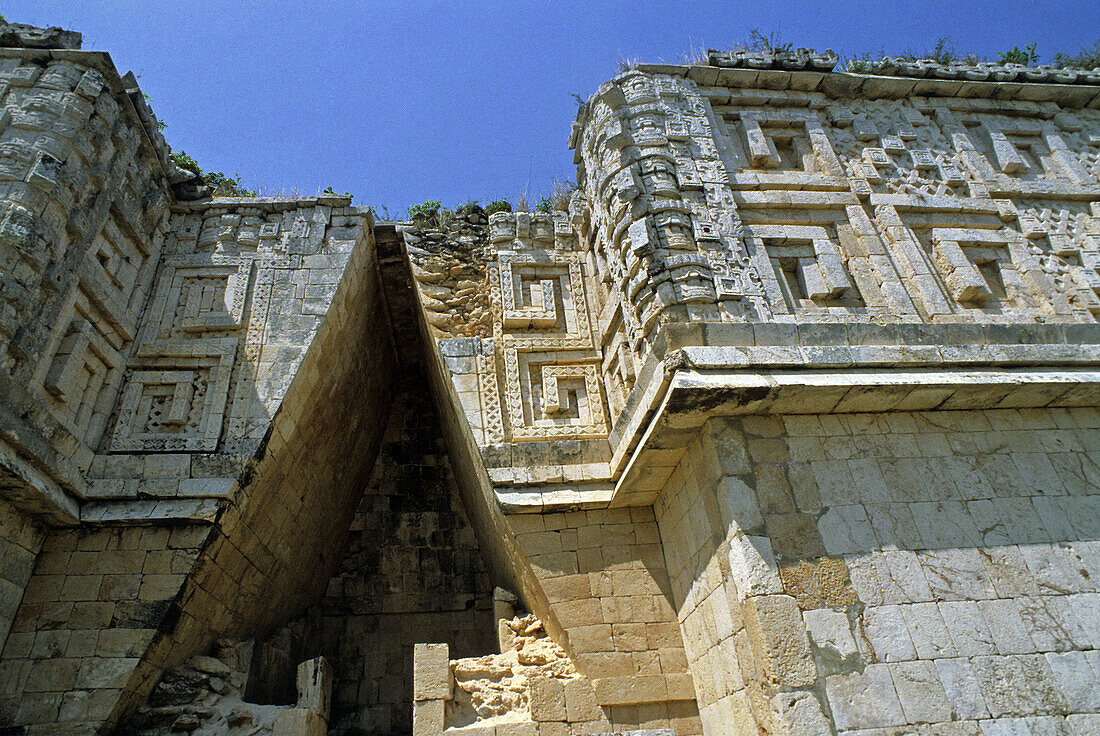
792, 408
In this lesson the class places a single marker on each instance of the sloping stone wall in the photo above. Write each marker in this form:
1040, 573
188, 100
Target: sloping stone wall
413, 570
20, 541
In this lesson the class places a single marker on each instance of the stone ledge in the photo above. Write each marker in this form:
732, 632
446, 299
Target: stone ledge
158, 512
693, 396
846, 84
265, 203
31, 490
910, 351
546, 500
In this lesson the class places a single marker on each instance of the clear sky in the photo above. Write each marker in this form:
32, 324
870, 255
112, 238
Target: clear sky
399, 102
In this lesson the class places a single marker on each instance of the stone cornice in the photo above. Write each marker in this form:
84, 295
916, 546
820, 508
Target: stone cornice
1085, 92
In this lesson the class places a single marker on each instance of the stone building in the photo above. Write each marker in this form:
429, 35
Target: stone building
787, 426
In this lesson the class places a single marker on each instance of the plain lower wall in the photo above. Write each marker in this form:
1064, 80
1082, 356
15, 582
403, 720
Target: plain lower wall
603, 571
20, 541
877, 571
92, 606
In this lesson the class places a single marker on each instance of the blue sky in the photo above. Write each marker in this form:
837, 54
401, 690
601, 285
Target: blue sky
399, 102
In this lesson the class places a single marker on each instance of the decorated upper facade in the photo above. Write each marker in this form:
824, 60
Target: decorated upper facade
765, 210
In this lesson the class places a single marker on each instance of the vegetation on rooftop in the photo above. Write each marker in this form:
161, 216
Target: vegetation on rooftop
1084, 59
432, 215
224, 186
943, 51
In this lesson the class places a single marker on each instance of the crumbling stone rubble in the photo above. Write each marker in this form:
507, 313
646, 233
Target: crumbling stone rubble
205, 696
495, 689
449, 264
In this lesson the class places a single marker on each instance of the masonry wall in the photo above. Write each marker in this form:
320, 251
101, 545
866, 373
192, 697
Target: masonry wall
413, 572
284, 532
92, 607
604, 573
271, 550
20, 541
83, 214
876, 571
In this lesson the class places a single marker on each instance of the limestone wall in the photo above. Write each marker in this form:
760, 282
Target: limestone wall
20, 541
304, 481
92, 608
229, 329
604, 574
147, 346
85, 211
867, 571
524, 362
758, 194
238, 297
787, 424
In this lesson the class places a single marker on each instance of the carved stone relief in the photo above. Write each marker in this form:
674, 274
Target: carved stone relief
174, 397
542, 356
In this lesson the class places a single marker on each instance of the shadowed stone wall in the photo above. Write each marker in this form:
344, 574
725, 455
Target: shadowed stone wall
20, 540
413, 570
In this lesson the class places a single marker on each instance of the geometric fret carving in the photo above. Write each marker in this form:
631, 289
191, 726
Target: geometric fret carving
533, 306
542, 358
197, 296
84, 365
807, 266
539, 303
551, 400
175, 400
985, 266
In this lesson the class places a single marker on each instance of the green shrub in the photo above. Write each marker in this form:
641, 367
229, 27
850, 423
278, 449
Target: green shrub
224, 186
426, 210
1087, 59
469, 208
498, 205
1015, 55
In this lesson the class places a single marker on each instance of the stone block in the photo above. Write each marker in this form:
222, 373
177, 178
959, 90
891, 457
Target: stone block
299, 722
580, 701
918, 687
314, 684
547, 699
795, 536
428, 717
431, 672
1018, 685
1084, 724
753, 566
864, 699
887, 634
831, 630
962, 688
800, 714
779, 639
630, 690
929, 634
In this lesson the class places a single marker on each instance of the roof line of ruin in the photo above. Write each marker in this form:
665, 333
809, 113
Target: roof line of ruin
896, 66
947, 81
